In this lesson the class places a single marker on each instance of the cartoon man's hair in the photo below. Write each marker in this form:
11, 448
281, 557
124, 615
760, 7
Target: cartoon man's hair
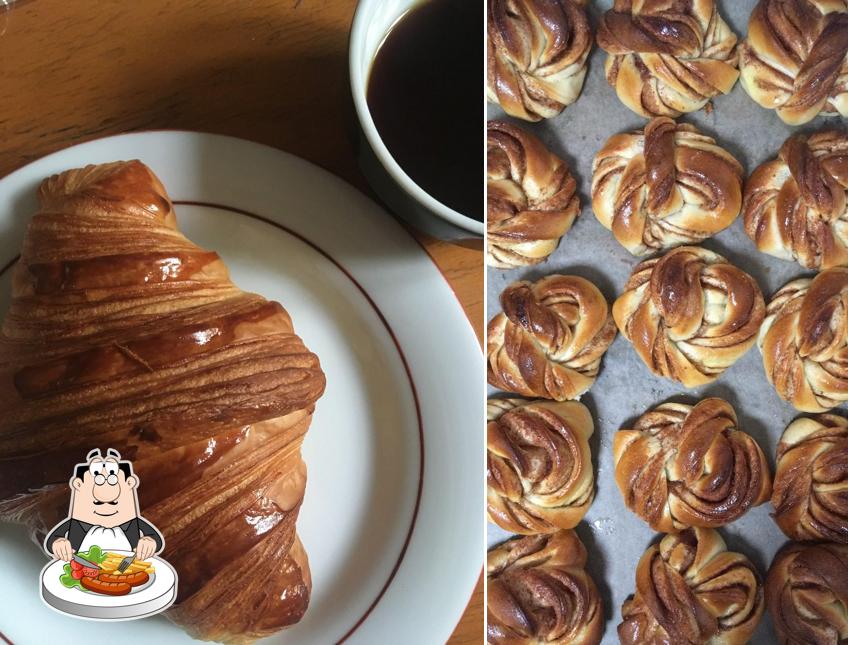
124, 466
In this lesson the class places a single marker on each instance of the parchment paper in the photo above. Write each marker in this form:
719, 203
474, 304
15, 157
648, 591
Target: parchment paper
625, 389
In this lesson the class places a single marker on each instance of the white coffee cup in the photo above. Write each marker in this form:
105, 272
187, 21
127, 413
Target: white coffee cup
371, 22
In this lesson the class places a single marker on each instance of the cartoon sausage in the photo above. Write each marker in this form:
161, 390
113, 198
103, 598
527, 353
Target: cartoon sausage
132, 579
106, 588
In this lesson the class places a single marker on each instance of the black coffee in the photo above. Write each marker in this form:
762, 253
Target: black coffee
425, 94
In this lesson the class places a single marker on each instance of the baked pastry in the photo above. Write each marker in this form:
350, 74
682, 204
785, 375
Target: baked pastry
538, 591
682, 466
664, 186
810, 496
804, 341
539, 466
691, 589
794, 58
666, 57
807, 592
690, 314
531, 201
796, 207
123, 333
550, 338
536, 54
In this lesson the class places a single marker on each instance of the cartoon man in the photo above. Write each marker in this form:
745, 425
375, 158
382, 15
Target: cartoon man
104, 512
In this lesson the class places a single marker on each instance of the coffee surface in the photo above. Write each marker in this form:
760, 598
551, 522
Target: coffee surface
425, 94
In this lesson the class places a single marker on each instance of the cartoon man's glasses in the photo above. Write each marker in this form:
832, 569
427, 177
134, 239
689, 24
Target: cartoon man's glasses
99, 480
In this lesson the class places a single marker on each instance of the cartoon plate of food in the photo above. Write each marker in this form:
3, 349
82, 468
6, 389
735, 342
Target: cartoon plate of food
110, 585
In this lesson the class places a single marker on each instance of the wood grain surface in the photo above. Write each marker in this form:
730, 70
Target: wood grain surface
272, 71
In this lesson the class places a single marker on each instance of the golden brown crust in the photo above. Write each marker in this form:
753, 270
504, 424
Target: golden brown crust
539, 466
666, 57
550, 338
683, 466
691, 589
531, 198
794, 58
664, 186
796, 206
810, 496
804, 341
807, 591
123, 333
536, 54
690, 314
539, 592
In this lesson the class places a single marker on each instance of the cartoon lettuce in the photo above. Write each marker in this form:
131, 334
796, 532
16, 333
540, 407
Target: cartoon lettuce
94, 554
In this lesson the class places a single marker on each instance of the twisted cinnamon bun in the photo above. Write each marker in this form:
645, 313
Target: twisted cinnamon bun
796, 206
539, 471
804, 341
539, 592
810, 496
531, 199
795, 58
683, 466
536, 54
666, 57
550, 338
664, 186
691, 589
807, 592
690, 314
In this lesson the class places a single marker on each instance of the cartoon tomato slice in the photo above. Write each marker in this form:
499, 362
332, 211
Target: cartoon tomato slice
75, 566
77, 574
90, 572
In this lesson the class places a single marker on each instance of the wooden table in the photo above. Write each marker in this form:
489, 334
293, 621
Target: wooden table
272, 71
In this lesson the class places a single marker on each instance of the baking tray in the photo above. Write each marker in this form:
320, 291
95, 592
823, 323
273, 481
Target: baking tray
613, 535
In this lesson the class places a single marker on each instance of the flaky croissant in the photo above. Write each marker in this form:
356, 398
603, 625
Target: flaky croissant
690, 314
550, 338
666, 57
683, 466
804, 341
664, 186
810, 495
691, 589
807, 592
531, 198
538, 591
124, 334
536, 54
539, 466
796, 206
795, 58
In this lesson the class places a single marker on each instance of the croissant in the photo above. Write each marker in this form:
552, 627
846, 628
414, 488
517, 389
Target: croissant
124, 334
550, 338
539, 469
666, 57
664, 186
804, 341
536, 53
538, 591
531, 198
807, 592
794, 58
796, 206
683, 466
690, 314
810, 496
691, 589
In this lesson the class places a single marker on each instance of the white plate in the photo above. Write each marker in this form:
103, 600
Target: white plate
394, 502
151, 597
